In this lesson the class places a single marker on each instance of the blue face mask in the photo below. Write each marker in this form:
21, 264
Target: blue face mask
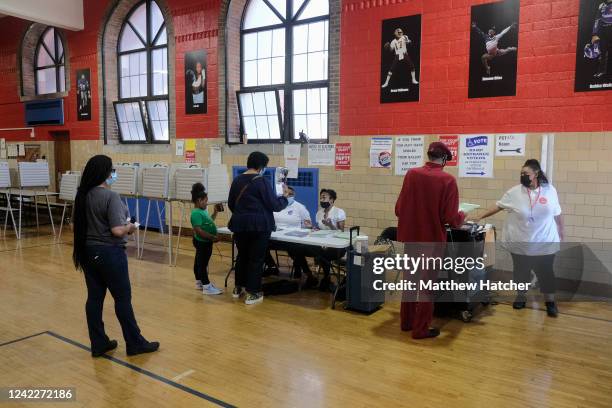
291, 200
112, 178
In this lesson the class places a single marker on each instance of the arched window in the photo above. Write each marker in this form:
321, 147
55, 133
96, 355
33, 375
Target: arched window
284, 70
49, 63
142, 67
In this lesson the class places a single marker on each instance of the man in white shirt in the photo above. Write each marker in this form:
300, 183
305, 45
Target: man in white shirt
329, 217
295, 215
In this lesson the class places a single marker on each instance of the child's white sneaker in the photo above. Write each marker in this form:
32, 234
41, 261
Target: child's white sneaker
211, 289
199, 285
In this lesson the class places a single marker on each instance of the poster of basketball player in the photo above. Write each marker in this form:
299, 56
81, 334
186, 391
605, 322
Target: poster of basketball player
400, 59
493, 49
83, 94
594, 46
195, 82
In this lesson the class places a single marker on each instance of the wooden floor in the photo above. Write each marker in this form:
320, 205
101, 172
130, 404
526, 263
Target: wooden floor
290, 351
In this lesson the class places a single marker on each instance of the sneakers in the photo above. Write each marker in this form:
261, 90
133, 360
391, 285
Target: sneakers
146, 347
551, 309
211, 289
198, 285
111, 345
237, 292
253, 298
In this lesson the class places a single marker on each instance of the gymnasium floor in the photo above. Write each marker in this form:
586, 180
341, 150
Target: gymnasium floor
290, 351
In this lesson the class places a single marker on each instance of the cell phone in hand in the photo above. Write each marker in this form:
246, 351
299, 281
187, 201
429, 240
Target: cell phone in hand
219, 207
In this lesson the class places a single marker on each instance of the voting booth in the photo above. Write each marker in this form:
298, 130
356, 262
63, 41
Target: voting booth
5, 185
69, 185
34, 182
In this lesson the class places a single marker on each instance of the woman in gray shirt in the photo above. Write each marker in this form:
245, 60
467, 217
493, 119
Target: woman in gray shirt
100, 230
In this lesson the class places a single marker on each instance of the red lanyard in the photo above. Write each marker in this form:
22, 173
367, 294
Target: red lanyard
532, 206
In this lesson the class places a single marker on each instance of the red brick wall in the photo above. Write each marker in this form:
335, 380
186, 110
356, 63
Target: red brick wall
196, 27
545, 99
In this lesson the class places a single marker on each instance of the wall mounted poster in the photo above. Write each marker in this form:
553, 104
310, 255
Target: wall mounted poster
510, 145
343, 156
195, 82
594, 46
83, 94
493, 49
452, 142
400, 60
381, 149
409, 153
476, 156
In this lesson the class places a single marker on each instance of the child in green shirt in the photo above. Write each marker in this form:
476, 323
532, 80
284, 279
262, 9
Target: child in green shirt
204, 234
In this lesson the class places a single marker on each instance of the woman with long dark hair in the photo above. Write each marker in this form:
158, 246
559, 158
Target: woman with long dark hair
101, 226
532, 231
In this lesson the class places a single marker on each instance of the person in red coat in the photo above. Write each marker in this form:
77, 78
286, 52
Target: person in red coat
429, 200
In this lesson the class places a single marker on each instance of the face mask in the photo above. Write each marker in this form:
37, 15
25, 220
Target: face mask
325, 204
111, 179
291, 200
525, 180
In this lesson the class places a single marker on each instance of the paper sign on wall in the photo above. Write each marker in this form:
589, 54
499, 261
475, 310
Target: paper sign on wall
215, 155
476, 156
292, 159
21, 149
343, 156
452, 142
180, 147
321, 154
380, 152
190, 151
510, 145
408, 153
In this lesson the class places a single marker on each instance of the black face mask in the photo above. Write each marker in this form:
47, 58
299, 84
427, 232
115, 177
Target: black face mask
525, 180
325, 204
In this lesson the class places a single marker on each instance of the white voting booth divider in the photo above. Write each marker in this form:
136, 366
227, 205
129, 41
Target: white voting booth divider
69, 184
34, 182
127, 183
155, 185
5, 189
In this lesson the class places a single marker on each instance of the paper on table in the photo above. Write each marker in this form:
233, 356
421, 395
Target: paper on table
467, 207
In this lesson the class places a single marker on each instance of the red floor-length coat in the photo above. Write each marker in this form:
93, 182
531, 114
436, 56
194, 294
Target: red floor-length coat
428, 201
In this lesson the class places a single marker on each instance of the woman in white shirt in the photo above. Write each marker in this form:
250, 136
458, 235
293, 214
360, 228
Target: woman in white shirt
329, 217
532, 231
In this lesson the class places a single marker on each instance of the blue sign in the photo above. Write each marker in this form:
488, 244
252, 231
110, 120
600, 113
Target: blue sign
476, 141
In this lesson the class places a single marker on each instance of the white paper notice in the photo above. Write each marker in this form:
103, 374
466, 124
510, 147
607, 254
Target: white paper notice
2, 143
11, 150
476, 156
215, 155
21, 149
292, 159
2, 153
408, 153
321, 154
380, 152
180, 147
510, 145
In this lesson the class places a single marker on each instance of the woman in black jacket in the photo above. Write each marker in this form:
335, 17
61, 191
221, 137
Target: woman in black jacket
252, 202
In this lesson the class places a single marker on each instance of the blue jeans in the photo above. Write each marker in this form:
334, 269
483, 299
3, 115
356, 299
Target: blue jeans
106, 267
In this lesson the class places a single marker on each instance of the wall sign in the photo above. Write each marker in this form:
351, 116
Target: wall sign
343, 156
452, 142
476, 156
510, 145
408, 153
83, 82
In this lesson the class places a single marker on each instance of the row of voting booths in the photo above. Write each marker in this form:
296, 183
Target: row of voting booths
148, 190
153, 188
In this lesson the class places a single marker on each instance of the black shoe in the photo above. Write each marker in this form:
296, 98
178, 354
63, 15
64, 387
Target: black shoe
147, 347
551, 309
310, 283
519, 303
430, 334
111, 345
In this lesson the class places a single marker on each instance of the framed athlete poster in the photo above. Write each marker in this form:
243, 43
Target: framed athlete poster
400, 61
83, 82
493, 49
195, 82
594, 46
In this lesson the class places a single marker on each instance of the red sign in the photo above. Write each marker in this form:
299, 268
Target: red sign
190, 156
452, 142
343, 156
